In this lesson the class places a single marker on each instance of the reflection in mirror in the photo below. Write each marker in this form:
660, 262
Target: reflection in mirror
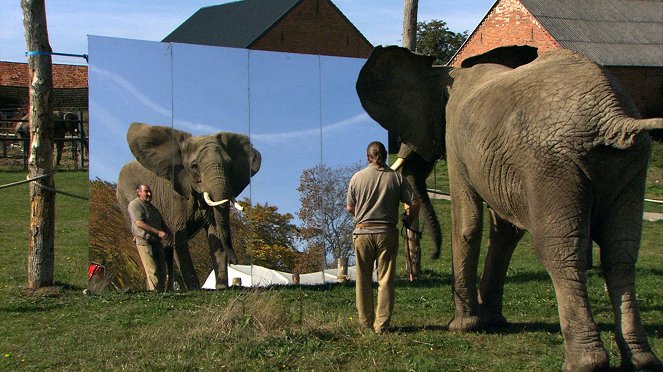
285, 127
121, 93
346, 132
210, 96
303, 120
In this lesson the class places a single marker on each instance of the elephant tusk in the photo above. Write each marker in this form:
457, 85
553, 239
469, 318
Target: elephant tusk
397, 164
238, 206
212, 203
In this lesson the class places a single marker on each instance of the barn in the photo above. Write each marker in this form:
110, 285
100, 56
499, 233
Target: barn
624, 36
293, 26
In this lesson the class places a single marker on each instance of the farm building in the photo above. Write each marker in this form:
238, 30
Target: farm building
69, 87
295, 26
624, 36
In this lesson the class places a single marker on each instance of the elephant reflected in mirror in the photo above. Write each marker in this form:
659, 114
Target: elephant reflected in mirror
555, 147
194, 180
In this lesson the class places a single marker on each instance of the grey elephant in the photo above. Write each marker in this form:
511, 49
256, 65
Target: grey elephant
194, 179
554, 147
63, 123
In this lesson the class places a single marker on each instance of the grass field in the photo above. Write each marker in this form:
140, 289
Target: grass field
282, 328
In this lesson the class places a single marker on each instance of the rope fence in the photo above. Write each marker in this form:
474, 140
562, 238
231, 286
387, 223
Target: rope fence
446, 196
17, 183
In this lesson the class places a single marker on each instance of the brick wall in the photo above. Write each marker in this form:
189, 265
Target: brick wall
14, 74
315, 27
507, 23
645, 84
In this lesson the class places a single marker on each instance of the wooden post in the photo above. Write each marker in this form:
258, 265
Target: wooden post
41, 257
410, 24
410, 42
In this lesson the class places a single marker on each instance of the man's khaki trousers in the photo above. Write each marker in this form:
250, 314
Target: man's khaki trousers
152, 256
380, 248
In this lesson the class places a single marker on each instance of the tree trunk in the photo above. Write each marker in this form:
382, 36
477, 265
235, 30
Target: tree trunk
41, 257
410, 42
410, 24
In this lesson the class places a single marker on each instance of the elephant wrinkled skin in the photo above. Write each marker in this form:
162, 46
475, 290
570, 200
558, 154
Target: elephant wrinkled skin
554, 147
194, 179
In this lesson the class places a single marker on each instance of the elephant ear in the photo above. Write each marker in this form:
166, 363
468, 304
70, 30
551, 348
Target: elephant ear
511, 56
158, 149
245, 159
405, 94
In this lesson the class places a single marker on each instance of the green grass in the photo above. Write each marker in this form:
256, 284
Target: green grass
282, 328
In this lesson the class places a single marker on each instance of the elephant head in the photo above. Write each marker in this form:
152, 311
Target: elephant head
212, 168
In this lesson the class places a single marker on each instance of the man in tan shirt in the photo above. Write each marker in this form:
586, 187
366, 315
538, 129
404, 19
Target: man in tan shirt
374, 195
148, 229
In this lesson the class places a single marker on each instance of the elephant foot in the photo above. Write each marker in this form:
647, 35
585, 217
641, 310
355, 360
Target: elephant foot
492, 319
465, 323
646, 361
585, 360
221, 286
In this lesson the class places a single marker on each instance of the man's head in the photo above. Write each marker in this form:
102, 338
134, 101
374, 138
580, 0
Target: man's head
144, 193
376, 153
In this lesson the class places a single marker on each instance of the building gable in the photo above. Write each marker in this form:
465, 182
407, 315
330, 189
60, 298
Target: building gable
296, 26
611, 32
234, 25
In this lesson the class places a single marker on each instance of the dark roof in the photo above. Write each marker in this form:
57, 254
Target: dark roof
235, 25
611, 32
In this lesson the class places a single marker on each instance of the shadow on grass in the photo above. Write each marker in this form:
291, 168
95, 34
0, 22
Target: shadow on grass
415, 329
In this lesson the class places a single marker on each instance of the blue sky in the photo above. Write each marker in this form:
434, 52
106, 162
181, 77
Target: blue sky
70, 21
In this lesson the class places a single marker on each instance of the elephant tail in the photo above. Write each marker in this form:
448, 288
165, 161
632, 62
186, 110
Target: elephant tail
623, 136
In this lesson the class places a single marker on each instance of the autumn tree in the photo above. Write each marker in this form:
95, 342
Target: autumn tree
325, 222
269, 235
434, 38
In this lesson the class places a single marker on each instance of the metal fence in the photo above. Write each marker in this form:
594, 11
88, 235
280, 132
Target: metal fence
15, 148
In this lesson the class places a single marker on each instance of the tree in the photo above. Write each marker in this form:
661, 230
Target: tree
270, 234
41, 257
434, 38
325, 222
410, 9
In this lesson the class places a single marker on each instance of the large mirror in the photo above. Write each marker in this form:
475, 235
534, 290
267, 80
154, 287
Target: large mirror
292, 122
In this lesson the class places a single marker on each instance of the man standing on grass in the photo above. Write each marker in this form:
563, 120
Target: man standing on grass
148, 229
374, 195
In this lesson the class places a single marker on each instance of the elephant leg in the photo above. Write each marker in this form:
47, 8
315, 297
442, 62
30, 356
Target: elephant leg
466, 218
185, 264
619, 242
563, 254
59, 147
219, 258
168, 252
504, 237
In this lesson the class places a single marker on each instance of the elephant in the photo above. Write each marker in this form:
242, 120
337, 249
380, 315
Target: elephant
554, 147
193, 180
63, 123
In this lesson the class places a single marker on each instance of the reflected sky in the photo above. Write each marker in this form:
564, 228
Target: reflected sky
299, 110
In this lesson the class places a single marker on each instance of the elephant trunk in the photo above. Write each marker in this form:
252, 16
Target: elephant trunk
415, 169
219, 195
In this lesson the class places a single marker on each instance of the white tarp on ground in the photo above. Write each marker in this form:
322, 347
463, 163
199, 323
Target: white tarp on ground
259, 276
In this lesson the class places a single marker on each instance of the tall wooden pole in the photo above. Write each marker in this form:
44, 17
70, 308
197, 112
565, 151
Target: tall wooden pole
412, 246
410, 24
41, 257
